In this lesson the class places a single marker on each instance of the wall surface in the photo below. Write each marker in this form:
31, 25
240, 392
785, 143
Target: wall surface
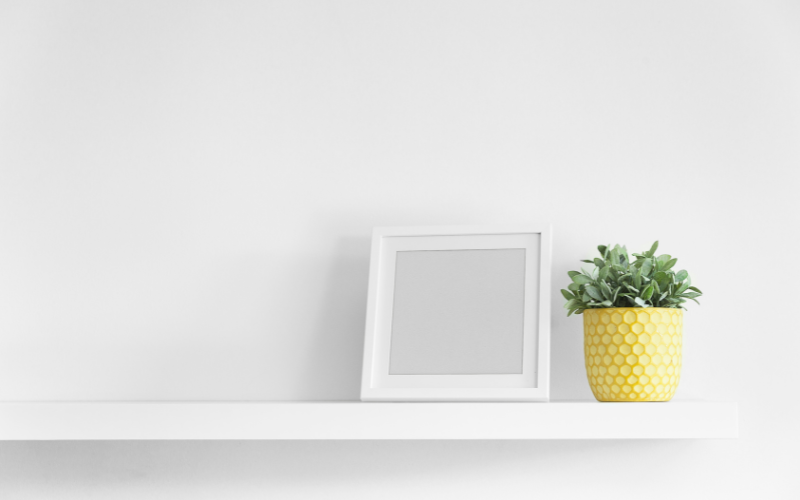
187, 191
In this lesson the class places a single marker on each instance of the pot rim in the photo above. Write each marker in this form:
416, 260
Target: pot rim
632, 308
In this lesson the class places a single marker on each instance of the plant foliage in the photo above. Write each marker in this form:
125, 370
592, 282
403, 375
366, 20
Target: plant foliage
616, 281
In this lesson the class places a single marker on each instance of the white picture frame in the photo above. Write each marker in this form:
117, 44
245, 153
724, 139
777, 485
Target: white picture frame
458, 313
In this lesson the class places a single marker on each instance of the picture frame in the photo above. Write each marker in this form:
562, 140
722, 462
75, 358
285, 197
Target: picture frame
458, 313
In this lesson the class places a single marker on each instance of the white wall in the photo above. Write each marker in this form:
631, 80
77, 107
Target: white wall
187, 191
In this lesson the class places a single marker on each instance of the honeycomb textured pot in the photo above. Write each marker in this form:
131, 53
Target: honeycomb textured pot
633, 353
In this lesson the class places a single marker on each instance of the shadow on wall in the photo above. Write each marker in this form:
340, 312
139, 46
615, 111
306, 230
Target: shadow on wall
567, 369
238, 469
336, 354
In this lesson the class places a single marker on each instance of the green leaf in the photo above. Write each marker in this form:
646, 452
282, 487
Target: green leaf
622, 256
647, 267
581, 279
669, 264
606, 290
616, 281
594, 292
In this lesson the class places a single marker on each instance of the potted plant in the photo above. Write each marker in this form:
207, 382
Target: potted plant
632, 323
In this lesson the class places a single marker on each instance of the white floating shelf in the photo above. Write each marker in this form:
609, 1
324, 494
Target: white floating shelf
356, 420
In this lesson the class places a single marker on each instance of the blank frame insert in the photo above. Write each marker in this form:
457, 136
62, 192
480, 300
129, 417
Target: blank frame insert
458, 312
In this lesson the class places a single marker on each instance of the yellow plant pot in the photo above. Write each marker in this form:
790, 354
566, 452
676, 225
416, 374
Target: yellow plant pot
633, 353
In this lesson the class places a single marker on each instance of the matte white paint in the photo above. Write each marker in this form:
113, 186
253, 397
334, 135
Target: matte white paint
356, 420
389, 244
187, 191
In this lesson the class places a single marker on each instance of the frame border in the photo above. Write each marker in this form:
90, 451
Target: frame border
540, 393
